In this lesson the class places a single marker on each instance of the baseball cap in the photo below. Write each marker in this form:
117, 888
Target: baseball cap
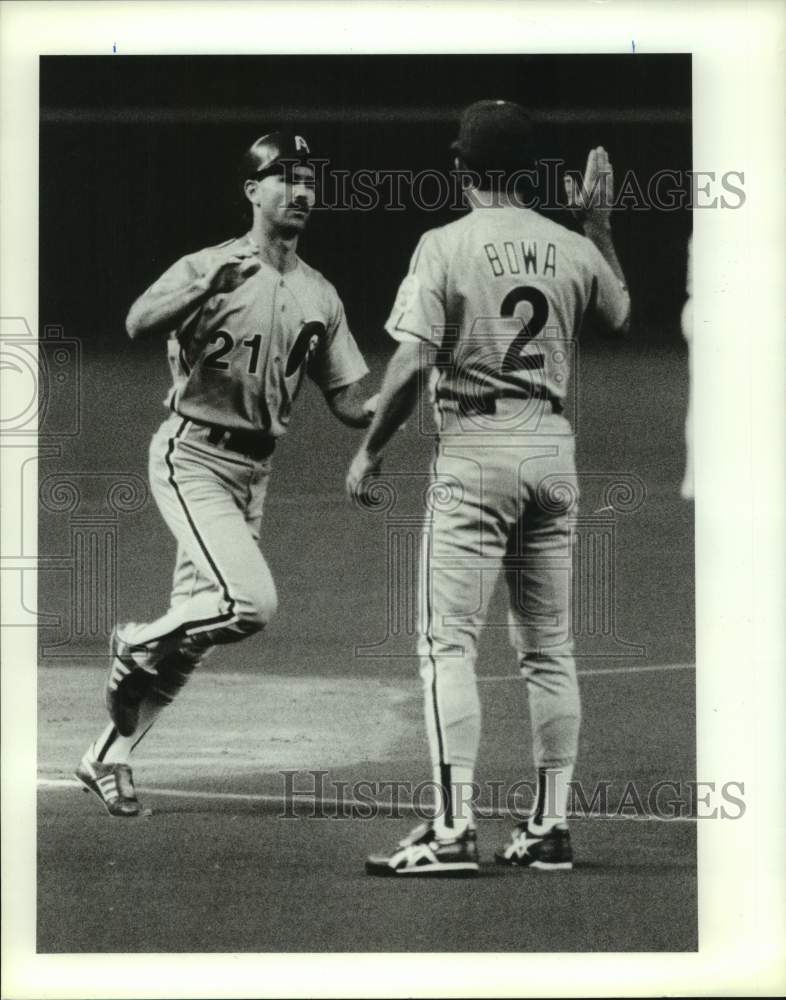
495, 135
273, 153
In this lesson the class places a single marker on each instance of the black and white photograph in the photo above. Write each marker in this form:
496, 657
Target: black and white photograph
369, 588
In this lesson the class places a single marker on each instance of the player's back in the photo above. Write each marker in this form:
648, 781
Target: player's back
502, 294
517, 286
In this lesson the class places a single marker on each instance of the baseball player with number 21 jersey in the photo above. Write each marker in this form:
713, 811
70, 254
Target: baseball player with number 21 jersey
245, 322
489, 314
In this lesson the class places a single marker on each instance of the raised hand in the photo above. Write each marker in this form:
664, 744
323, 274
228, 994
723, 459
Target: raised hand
591, 199
229, 273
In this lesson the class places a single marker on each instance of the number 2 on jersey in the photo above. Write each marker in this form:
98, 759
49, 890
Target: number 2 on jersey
515, 359
214, 360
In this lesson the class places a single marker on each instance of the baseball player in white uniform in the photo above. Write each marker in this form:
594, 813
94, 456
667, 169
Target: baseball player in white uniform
245, 321
490, 309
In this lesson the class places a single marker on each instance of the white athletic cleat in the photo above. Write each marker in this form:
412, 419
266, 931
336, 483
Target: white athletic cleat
112, 783
547, 851
423, 853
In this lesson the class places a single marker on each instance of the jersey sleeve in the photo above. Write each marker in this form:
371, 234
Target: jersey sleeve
419, 310
339, 361
179, 275
609, 297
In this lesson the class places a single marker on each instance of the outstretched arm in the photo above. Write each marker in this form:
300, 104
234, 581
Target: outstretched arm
161, 309
591, 201
397, 399
351, 405
155, 312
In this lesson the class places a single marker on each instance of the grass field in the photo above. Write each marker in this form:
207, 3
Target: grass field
214, 867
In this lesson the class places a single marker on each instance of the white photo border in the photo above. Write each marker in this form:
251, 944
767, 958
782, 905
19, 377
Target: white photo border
738, 83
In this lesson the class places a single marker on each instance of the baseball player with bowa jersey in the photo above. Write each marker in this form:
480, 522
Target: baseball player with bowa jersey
245, 320
489, 310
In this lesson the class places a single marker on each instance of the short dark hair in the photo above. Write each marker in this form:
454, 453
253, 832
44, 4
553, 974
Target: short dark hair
499, 179
495, 142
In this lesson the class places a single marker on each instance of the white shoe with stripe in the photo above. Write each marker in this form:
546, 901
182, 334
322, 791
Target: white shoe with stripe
112, 783
423, 853
547, 850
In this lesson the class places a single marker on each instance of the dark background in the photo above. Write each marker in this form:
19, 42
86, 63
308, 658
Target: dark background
138, 157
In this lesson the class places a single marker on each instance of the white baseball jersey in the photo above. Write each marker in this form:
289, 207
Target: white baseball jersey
239, 359
501, 293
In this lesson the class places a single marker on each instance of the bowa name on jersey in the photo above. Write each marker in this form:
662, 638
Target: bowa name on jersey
516, 257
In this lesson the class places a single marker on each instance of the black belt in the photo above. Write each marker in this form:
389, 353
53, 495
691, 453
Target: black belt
471, 403
255, 444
